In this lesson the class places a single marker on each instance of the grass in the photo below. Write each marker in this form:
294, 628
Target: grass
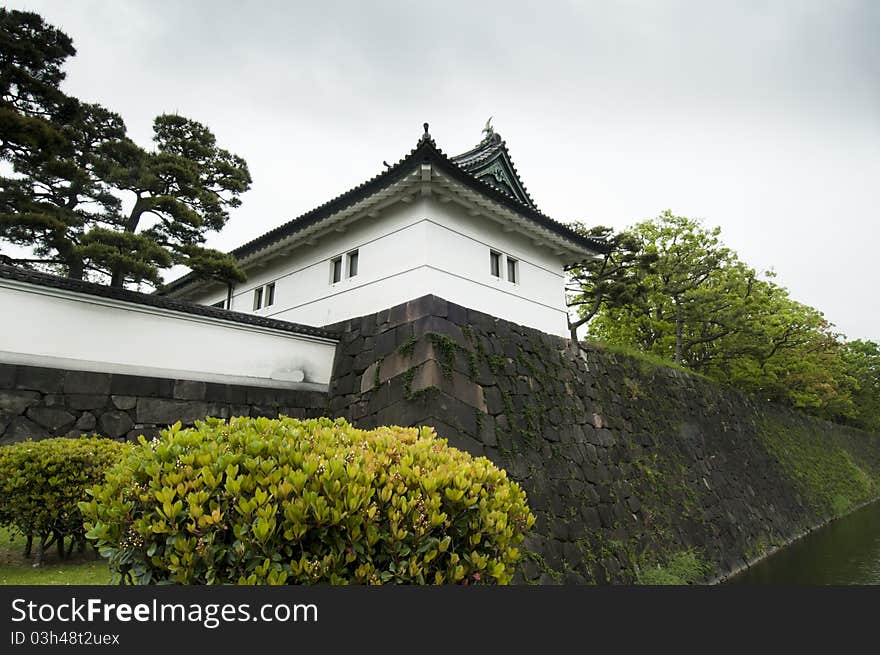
650, 358
827, 475
15, 569
684, 567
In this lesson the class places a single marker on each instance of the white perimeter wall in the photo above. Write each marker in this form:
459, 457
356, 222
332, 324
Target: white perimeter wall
410, 250
42, 326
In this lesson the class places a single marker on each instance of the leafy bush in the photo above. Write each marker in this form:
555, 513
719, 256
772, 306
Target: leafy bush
274, 501
41, 483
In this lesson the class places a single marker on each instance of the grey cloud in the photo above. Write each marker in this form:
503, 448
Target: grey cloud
758, 116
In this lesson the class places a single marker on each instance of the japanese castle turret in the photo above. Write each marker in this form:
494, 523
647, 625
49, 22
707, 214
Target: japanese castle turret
463, 228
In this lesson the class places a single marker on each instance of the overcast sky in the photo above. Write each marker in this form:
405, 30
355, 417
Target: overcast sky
760, 117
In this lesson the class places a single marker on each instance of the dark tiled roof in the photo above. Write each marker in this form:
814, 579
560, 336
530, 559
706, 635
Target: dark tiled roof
425, 152
151, 300
480, 158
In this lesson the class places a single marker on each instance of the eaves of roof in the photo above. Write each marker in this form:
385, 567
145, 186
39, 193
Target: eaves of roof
425, 152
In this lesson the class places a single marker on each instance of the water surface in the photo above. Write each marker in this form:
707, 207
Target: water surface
846, 552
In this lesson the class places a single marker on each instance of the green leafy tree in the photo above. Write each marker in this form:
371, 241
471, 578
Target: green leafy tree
613, 278
689, 299
703, 308
863, 364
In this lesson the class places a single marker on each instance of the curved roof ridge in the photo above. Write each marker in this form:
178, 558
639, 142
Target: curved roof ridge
426, 150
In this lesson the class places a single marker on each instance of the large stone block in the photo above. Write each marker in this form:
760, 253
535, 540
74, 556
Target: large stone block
386, 343
347, 384
38, 378
124, 402
486, 429
481, 321
314, 400
21, 429
161, 411
55, 420
431, 375
441, 326
135, 385
408, 355
87, 401
14, 402
86, 422
115, 424
368, 326
370, 377
343, 364
225, 393
456, 438
189, 390
7, 376
415, 309
264, 396
453, 411
87, 382
54, 400
407, 412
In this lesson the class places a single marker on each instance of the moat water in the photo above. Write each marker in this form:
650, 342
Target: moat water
845, 552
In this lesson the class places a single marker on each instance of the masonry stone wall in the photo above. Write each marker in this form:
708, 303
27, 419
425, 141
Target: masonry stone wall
40, 402
624, 463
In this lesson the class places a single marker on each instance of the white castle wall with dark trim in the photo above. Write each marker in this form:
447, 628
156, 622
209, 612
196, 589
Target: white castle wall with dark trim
60, 328
425, 246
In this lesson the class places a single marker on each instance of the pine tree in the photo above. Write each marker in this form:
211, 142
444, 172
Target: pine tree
32, 105
74, 165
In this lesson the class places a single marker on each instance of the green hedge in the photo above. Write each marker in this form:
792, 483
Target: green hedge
274, 501
42, 482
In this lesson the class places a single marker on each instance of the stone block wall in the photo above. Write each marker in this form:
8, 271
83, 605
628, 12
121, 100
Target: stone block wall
625, 464
40, 402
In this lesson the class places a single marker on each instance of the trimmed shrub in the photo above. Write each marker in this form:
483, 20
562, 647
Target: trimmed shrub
42, 482
275, 501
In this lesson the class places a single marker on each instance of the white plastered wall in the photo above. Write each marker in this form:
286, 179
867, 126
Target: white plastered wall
410, 250
43, 326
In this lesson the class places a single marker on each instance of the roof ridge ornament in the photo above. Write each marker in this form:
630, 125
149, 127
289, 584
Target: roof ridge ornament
489, 131
426, 136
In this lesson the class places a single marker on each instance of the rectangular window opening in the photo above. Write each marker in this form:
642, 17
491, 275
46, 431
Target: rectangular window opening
270, 294
352, 263
335, 270
258, 298
495, 263
512, 270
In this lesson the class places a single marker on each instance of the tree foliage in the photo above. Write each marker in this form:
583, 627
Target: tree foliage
88, 201
863, 363
700, 306
614, 277
31, 102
